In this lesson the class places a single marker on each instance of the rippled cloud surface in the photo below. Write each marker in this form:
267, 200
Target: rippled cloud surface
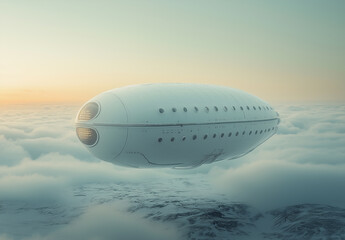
291, 187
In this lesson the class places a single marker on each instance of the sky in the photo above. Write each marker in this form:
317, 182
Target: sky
52, 188
56, 55
69, 51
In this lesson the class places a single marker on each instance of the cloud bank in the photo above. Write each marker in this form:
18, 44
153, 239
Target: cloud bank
42, 163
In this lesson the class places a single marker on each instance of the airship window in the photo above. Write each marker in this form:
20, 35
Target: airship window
89, 111
194, 137
250, 133
225, 109
269, 129
88, 136
222, 135
254, 107
207, 109
229, 135
160, 139
241, 108
173, 109
205, 136
265, 130
243, 132
183, 138
214, 135
196, 109
259, 108
172, 139
236, 134
248, 108
215, 108
185, 109
233, 107
256, 132
161, 110
260, 131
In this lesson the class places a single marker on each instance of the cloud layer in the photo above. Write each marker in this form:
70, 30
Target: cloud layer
42, 164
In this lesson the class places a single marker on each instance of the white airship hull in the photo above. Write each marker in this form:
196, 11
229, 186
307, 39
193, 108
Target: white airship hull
174, 125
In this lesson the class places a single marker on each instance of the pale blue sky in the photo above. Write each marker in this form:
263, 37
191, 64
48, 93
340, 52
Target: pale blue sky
278, 50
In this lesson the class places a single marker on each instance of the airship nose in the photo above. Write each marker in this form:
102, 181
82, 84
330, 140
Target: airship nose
100, 126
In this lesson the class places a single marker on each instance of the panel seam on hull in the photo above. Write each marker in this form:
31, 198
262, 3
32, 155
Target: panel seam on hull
169, 124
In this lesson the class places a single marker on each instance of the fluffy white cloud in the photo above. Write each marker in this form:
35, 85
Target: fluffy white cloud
52, 176
35, 188
273, 184
11, 153
42, 162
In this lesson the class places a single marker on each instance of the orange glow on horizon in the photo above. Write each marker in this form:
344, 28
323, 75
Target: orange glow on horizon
38, 96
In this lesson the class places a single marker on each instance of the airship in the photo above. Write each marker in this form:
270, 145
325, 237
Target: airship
174, 125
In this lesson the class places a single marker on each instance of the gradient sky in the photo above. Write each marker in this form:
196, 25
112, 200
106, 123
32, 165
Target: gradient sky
69, 51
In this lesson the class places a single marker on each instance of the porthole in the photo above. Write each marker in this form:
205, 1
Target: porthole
174, 109
88, 136
248, 108
267, 108
160, 139
172, 139
185, 109
241, 108
265, 130
161, 110
243, 132
205, 136
254, 107
225, 109
260, 131
89, 111
183, 138
269, 129
259, 108
236, 134
222, 135
207, 109
229, 135
233, 107
214, 135
256, 132
194, 137
250, 133
215, 108
196, 109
